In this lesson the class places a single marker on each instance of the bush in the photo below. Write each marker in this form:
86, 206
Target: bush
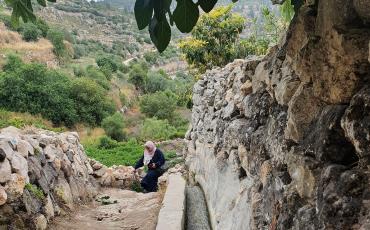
113, 127
156, 82
92, 105
138, 76
214, 39
160, 104
107, 62
106, 142
13, 62
30, 32
98, 76
42, 26
34, 89
56, 37
154, 129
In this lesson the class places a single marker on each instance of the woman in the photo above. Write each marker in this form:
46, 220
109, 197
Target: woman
154, 159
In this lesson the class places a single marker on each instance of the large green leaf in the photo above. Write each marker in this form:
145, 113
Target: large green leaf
207, 5
186, 15
23, 9
161, 7
143, 12
42, 2
160, 33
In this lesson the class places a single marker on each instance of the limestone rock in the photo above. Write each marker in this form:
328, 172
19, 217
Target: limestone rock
40, 222
6, 149
5, 171
3, 196
100, 172
50, 152
15, 186
20, 166
25, 148
97, 166
303, 108
48, 208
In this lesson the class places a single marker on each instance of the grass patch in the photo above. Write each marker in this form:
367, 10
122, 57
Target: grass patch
21, 120
121, 153
36, 191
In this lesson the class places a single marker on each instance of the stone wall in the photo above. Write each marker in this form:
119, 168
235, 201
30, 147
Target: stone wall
282, 142
43, 174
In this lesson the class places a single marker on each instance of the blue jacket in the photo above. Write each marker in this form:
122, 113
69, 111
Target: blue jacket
158, 159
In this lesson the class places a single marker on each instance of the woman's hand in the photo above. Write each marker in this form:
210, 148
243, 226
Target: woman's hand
152, 165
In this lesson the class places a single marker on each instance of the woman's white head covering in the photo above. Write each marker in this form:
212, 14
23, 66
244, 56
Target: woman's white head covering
149, 151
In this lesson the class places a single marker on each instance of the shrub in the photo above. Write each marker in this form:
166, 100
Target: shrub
107, 62
92, 105
106, 142
34, 89
160, 104
30, 32
98, 76
13, 62
56, 37
113, 127
154, 129
42, 26
156, 82
138, 76
214, 39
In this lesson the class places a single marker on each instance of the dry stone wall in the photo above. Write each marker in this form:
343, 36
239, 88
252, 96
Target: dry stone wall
282, 142
44, 174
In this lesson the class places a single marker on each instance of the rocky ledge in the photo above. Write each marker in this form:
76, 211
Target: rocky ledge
43, 174
282, 142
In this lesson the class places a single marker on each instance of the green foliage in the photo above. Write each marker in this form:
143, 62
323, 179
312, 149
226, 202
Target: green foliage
124, 153
156, 82
30, 32
152, 13
287, 11
42, 26
138, 76
91, 103
136, 186
21, 120
36, 191
214, 40
160, 104
56, 37
106, 142
97, 75
13, 62
107, 62
253, 46
34, 89
159, 130
113, 127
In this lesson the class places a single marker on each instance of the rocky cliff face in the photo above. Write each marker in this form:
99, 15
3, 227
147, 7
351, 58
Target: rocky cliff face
282, 142
44, 174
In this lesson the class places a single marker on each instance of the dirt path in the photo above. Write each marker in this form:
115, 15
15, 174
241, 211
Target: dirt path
133, 211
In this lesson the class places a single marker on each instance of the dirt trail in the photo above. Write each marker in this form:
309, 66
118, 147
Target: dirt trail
133, 211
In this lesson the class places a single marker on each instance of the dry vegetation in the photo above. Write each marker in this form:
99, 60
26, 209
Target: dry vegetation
40, 51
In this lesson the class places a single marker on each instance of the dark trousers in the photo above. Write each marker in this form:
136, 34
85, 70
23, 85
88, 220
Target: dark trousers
150, 181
